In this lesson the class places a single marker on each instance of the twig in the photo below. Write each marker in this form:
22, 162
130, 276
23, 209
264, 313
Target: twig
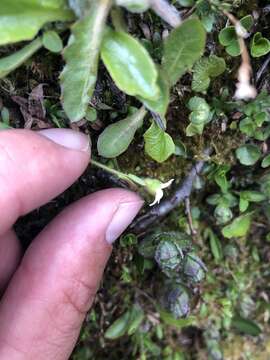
167, 205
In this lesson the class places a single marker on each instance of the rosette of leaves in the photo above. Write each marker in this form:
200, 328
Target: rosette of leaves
224, 203
200, 115
205, 69
228, 37
256, 121
169, 256
173, 253
149, 244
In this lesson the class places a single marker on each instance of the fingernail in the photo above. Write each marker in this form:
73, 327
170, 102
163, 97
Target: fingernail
68, 138
123, 217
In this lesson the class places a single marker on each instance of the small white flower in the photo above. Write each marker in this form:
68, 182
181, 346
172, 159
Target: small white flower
156, 188
245, 91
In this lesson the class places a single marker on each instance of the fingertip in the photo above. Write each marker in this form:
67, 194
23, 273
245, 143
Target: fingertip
68, 138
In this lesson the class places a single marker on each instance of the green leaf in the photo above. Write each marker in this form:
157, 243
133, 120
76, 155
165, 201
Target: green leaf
116, 138
228, 37
180, 149
247, 22
243, 204
5, 115
246, 326
247, 126
249, 196
266, 161
205, 69
52, 41
186, 3
160, 105
220, 177
253, 196
233, 48
130, 65
215, 245
183, 47
79, 7
260, 46
193, 129
169, 319
248, 154
91, 114
119, 327
200, 115
200, 110
22, 19
78, 78
239, 227
136, 6
13, 61
158, 144
135, 320
4, 119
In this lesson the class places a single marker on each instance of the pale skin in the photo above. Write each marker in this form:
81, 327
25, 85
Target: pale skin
47, 291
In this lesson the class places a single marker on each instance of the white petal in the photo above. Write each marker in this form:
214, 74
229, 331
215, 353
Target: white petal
245, 91
167, 184
158, 197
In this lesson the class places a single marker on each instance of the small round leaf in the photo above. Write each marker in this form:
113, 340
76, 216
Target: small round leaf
248, 154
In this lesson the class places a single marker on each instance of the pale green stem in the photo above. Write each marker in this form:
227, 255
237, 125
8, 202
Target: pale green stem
119, 174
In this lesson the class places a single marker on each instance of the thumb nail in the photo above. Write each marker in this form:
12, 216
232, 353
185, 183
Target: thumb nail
68, 138
122, 218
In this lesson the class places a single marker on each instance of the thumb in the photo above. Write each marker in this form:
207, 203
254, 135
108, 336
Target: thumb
44, 306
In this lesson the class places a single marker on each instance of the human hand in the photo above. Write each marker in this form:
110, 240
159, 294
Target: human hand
53, 285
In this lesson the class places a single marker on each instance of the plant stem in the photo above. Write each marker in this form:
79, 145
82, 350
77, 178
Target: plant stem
126, 177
